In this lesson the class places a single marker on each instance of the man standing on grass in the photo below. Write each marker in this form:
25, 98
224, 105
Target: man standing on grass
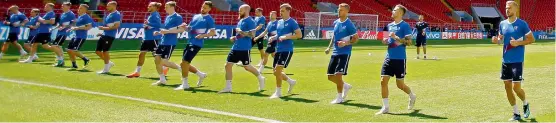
271, 47
241, 49
516, 34
169, 34
111, 24
345, 34
43, 36
260, 20
200, 27
32, 25
287, 31
421, 41
150, 42
66, 19
82, 25
17, 19
395, 61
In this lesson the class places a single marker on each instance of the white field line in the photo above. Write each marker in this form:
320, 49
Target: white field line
141, 100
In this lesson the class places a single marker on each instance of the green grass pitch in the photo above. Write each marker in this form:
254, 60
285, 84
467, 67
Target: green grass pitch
461, 85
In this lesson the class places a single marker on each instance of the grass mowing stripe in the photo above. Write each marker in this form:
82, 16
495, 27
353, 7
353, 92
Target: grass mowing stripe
142, 100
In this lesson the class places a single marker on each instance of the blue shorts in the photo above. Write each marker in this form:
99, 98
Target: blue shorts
394, 67
338, 64
282, 59
512, 71
59, 41
243, 56
165, 51
30, 39
421, 41
42, 38
148, 45
76, 43
190, 52
12, 37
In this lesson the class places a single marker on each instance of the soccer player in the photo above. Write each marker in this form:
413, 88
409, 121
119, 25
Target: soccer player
169, 34
33, 24
111, 25
200, 27
44, 32
241, 49
515, 34
66, 19
17, 19
150, 42
287, 30
260, 21
271, 47
421, 28
82, 25
345, 34
395, 61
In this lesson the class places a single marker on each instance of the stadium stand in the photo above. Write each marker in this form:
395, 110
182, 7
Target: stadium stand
538, 13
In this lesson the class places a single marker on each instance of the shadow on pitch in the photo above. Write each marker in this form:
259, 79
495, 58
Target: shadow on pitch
113, 74
416, 113
256, 94
291, 98
360, 105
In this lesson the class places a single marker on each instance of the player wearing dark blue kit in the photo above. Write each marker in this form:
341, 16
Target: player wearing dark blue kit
16, 20
32, 25
201, 26
112, 22
271, 45
169, 41
287, 30
83, 24
395, 61
67, 18
152, 23
260, 22
241, 49
421, 41
345, 34
44, 33
515, 34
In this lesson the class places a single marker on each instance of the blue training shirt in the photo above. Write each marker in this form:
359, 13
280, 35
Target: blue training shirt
110, 20
343, 31
171, 22
401, 30
154, 23
260, 21
33, 22
517, 30
200, 24
81, 21
285, 28
243, 43
271, 28
17, 18
65, 20
45, 28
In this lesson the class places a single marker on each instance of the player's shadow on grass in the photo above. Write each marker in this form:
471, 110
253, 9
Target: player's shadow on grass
257, 94
198, 89
415, 113
360, 105
170, 86
291, 98
151, 78
531, 120
113, 74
